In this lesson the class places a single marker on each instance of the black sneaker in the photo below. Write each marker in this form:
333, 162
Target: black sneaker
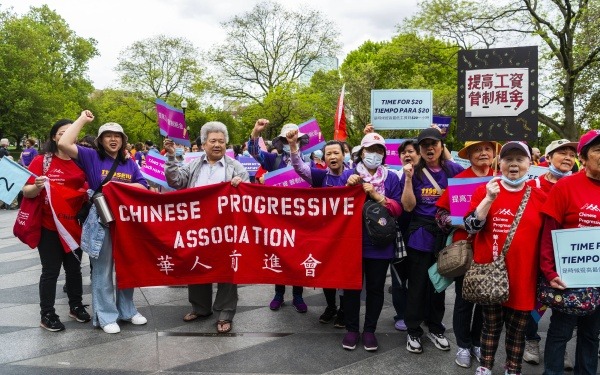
78, 313
328, 315
51, 322
339, 320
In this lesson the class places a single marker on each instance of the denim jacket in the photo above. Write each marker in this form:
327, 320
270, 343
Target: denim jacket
93, 233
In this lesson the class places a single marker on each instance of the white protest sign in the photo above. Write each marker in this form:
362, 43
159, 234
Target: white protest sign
401, 109
577, 256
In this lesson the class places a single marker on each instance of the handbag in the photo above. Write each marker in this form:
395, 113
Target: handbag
573, 301
381, 226
28, 225
455, 259
84, 211
487, 284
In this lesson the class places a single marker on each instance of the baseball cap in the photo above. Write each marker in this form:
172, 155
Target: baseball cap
429, 133
280, 140
111, 127
463, 153
554, 145
355, 150
372, 139
587, 138
514, 145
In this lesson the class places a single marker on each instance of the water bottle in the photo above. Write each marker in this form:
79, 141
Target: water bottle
102, 208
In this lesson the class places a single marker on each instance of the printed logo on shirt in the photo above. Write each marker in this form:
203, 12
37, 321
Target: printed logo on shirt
504, 211
587, 215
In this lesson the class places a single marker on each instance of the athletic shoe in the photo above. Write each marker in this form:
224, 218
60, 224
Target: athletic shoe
369, 341
400, 325
80, 314
138, 319
276, 303
413, 344
483, 371
568, 364
350, 340
439, 340
476, 352
532, 352
339, 321
299, 304
463, 358
51, 322
112, 328
328, 315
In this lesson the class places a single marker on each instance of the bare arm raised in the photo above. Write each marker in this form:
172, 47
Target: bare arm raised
68, 142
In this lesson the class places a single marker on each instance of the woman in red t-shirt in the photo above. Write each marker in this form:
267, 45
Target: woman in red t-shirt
467, 318
572, 203
63, 171
492, 212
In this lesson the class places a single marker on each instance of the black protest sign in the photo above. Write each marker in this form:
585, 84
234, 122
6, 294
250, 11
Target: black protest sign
498, 94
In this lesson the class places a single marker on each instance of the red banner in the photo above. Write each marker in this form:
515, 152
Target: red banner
252, 234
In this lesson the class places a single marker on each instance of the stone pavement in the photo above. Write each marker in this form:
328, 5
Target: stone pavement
261, 342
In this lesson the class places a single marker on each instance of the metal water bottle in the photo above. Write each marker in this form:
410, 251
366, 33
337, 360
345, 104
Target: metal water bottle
102, 208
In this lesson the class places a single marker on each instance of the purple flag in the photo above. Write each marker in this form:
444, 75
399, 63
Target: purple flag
285, 177
172, 123
315, 139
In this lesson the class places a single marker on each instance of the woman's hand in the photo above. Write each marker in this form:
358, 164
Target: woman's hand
86, 116
169, 146
353, 180
409, 171
492, 188
369, 189
557, 283
259, 126
236, 181
39, 182
292, 140
369, 129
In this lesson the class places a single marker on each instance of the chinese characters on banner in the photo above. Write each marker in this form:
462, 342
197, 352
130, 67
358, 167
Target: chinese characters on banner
497, 94
246, 235
460, 191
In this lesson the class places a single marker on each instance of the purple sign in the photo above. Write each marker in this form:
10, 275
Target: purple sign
315, 138
172, 123
442, 122
285, 177
154, 170
392, 158
249, 163
188, 157
460, 191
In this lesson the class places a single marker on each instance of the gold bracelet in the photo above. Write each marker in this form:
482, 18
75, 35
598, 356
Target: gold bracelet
381, 201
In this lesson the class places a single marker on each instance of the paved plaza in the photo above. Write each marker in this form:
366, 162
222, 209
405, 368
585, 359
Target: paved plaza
261, 342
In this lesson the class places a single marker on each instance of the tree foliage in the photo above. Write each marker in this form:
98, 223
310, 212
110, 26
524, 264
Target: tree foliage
567, 31
269, 47
43, 66
160, 66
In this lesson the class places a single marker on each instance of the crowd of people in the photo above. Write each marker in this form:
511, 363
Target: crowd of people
416, 195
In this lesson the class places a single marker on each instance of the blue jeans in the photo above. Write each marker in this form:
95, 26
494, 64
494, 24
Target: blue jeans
106, 309
561, 331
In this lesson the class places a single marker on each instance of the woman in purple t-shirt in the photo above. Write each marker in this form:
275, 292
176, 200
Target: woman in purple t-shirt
96, 164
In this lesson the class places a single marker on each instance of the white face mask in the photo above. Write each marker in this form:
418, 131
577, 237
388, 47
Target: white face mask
372, 160
286, 149
347, 158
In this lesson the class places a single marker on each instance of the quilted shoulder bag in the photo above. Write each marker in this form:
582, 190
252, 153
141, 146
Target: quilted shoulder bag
574, 301
487, 283
455, 259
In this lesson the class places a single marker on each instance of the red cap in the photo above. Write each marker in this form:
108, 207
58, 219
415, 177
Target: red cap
587, 138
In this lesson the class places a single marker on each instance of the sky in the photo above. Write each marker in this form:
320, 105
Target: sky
118, 24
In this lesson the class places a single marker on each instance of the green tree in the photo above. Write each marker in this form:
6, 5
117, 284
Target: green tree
43, 66
270, 46
160, 66
567, 30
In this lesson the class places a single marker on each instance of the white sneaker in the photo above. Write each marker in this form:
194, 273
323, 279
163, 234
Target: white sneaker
138, 319
112, 328
483, 371
439, 340
463, 358
476, 352
413, 344
532, 352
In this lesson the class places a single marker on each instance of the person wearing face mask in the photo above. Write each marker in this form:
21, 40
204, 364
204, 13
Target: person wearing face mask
317, 160
561, 155
491, 214
421, 186
381, 186
317, 178
271, 162
347, 155
466, 319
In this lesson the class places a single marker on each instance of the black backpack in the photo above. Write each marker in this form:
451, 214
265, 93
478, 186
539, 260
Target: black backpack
381, 226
